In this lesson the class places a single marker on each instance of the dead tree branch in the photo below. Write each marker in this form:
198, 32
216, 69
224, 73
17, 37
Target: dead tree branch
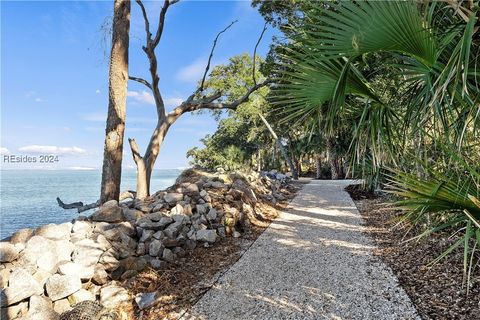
255, 52
142, 81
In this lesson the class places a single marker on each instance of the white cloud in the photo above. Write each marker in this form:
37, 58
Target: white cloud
141, 96
97, 91
81, 168
173, 102
4, 151
38, 100
52, 149
193, 72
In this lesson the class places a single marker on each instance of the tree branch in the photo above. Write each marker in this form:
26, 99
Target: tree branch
200, 89
255, 52
161, 21
134, 147
142, 81
145, 18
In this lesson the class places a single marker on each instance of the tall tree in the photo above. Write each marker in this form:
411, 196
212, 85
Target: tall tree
199, 99
117, 96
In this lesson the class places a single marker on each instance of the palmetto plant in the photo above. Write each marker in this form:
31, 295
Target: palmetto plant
432, 49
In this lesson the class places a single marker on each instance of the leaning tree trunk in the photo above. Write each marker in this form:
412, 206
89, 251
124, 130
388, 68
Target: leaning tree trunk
117, 96
281, 147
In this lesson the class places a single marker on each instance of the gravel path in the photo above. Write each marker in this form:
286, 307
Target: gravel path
313, 262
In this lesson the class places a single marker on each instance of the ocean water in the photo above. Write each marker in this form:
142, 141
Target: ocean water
28, 197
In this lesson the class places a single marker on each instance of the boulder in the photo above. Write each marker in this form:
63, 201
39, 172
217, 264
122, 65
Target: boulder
100, 276
177, 210
87, 252
212, 214
155, 248
113, 295
109, 261
39, 304
41, 276
22, 285
132, 214
76, 269
36, 246
15, 311
61, 306
48, 261
4, 277
205, 235
81, 230
146, 235
55, 231
61, 286
110, 213
173, 197
21, 236
168, 255
145, 300
79, 296
63, 250
8, 252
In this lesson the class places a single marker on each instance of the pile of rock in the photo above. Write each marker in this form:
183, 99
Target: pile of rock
46, 271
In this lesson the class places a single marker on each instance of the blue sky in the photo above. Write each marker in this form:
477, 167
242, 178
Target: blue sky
54, 75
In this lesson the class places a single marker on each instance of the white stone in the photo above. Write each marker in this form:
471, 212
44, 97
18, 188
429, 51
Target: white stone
87, 252
48, 261
112, 296
145, 300
75, 269
61, 286
8, 252
21, 285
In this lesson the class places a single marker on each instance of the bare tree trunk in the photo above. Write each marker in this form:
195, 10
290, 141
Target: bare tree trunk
117, 96
332, 159
281, 147
318, 166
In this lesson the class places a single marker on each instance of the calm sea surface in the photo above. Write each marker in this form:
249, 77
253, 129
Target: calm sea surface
27, 197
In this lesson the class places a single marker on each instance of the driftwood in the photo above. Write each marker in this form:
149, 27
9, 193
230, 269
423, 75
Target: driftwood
84, 207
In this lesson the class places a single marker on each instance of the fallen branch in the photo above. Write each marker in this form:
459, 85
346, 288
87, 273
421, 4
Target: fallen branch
84, 207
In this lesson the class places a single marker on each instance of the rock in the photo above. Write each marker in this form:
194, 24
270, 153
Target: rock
218, 185
146, 235
38, 304
187, 210
177, 210
63, 250
190, 244
145, 300
155, 248
165, 221
202, 208
101, 227
61, 286
87, 252
112, 296
79, 296
41, 276
72, 269
132, 214
212, 214
36, 246
173, 197
159, 235
168, 255
61, 306
190, 188
21, 236
55, 231
8, 252
209, 236
236, 234
179, 252
141, 249
103, 243
48, 261
15, 311
100, 276
156, 263
4, 277
128, 274
81, 230
203, 193
21, 285
105, 213
109, 261
157, 207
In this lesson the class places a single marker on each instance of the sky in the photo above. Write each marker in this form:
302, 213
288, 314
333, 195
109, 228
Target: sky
54, 76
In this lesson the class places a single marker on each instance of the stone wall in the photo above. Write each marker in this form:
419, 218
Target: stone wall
47, 271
